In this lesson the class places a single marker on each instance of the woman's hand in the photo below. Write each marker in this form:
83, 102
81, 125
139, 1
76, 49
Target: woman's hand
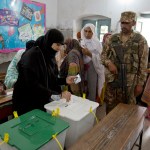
86, 52
70, 79
66, 95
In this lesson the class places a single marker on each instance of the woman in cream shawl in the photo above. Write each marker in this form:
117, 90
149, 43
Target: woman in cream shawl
94, 69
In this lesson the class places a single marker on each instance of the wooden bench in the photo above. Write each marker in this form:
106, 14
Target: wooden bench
2, 76
6, 104
119, 130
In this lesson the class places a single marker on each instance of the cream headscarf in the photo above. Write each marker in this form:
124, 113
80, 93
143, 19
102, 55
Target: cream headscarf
94, 36
92, 44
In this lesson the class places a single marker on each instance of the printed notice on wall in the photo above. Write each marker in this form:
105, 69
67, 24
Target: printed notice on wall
25, 32
26, 12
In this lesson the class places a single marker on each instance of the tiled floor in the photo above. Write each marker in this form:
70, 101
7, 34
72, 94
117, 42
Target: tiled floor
146, 135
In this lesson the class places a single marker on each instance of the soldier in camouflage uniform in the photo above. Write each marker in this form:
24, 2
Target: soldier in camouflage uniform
134, 49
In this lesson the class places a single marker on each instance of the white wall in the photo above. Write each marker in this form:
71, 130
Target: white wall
144, 28
67, 14
51, 12
69, 10
63, 13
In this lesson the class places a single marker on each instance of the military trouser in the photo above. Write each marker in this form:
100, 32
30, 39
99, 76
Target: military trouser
114, 96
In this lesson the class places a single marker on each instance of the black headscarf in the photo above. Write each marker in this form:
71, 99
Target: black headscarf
45, 42
30, 44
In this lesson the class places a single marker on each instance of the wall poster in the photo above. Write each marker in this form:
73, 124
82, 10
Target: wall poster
20, 21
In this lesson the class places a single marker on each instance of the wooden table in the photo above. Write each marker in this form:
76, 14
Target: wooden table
6, 104
119, 130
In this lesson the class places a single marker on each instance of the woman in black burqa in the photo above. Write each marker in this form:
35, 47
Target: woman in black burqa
38, 74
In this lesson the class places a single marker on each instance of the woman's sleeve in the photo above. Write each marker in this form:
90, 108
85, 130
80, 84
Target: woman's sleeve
12, 71
12, 74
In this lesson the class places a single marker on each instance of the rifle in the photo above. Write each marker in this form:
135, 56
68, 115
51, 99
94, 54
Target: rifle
121, 79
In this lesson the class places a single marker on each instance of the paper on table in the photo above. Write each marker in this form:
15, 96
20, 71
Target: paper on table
9, 93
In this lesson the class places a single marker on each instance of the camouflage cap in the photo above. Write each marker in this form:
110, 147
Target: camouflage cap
128, 16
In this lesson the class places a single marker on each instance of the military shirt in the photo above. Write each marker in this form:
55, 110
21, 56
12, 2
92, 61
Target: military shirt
135, 56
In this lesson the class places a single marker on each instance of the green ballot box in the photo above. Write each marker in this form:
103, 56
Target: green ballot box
34, 130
